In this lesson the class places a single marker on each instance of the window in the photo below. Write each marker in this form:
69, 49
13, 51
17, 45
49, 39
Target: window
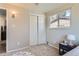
61, 20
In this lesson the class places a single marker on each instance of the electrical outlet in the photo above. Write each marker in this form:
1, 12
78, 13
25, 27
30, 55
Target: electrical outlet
18, 43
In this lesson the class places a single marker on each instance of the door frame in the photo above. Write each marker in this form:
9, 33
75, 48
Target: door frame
6, 27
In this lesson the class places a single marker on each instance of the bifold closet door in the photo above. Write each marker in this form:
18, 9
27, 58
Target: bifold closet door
33, 30
37, 30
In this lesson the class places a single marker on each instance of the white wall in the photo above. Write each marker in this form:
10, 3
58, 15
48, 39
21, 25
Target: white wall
17, 31
18, 27
55, 35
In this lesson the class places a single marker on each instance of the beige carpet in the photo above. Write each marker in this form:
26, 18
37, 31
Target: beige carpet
38, 50
2, 47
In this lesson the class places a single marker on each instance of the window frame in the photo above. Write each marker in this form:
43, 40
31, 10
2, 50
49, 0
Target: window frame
63, 18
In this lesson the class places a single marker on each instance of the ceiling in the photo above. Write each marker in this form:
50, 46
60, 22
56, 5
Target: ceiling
43, 7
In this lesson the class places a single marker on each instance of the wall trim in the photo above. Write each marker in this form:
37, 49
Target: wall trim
50, 44
16, 49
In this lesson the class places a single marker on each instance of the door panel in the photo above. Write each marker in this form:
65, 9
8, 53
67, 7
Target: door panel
41, 30
33, 30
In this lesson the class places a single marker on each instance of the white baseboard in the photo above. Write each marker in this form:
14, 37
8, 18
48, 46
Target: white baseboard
21, 48
50, 44
27, 47
17, 49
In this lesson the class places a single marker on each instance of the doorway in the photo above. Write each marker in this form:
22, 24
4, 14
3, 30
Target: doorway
37, 30
2, 30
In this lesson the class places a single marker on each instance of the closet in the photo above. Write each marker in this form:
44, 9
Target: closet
37, 29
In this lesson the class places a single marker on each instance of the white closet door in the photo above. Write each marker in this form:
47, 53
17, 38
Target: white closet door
41, 29
33, 30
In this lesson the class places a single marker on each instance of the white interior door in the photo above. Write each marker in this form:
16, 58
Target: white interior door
41, 29
37, 29
33, 30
